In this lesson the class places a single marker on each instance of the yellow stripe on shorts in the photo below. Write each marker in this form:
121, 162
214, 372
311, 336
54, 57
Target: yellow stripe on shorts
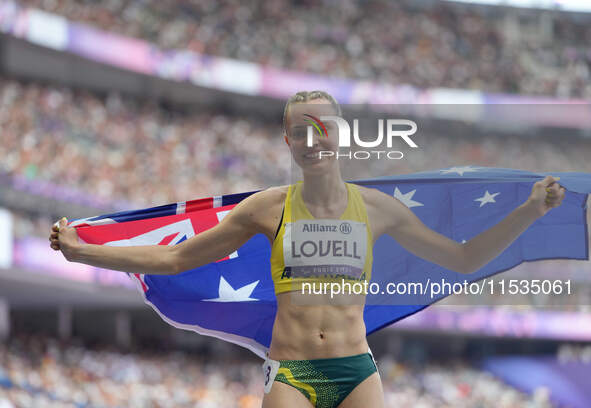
309, 389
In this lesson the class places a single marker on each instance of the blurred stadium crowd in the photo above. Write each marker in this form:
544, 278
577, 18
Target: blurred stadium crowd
91, 143
39, 371
493, 49
78, 139
42, 372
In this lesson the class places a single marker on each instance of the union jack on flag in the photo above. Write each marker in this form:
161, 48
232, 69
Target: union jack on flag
233, 299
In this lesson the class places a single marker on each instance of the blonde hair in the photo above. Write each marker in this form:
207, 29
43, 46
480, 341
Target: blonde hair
306, 96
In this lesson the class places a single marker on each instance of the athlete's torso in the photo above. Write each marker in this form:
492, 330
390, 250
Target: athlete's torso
318, 326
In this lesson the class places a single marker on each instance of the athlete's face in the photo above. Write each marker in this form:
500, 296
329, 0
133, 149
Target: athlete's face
302, 116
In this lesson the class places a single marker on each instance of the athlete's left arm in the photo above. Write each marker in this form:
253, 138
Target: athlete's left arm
393, 218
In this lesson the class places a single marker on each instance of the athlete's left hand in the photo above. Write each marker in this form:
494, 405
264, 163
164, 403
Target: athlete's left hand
545, 195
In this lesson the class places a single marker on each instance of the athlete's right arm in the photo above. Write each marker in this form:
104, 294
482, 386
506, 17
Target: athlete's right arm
235, 229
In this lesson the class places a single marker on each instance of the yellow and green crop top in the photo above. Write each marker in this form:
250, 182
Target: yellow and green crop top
308, 249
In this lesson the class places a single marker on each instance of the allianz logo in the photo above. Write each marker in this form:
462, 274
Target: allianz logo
344, 228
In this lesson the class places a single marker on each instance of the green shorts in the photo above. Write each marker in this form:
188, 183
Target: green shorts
325, 382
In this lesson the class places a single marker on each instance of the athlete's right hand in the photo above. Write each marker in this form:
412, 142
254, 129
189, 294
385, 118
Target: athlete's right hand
64, 238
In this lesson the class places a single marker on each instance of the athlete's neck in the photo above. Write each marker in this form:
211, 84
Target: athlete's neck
324, 189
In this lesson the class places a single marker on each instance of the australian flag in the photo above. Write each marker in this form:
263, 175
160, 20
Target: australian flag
234, 299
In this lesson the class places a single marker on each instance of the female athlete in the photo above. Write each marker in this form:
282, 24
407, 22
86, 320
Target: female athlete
318, 355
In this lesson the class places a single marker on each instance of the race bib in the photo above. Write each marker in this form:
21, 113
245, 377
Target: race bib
325, 247
270, 368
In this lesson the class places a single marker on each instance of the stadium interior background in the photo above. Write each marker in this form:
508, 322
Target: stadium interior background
86, 129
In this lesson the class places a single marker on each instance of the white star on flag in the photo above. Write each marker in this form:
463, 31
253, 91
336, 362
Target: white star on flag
407, 198
459, 170
227, 293
487, 198
463, 241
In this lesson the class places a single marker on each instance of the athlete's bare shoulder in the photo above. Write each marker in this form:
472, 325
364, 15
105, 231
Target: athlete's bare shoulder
378, 206
263, 209
371, 196
268, 198
275, 192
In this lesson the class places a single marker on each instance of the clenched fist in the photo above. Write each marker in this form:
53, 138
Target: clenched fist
545, 195
63, 238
